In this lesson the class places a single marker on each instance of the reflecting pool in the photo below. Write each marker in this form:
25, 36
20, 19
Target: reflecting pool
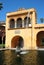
9, 57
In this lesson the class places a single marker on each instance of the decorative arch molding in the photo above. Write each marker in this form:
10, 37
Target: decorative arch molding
12, 23
17, 41
40, 39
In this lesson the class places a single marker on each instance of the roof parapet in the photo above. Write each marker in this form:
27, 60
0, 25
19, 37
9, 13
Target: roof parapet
21, 11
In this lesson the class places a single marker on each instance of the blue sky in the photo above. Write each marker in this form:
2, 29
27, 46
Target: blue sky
13, 5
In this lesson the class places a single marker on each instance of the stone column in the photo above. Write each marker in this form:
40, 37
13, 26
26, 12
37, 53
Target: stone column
15, 24
23, 23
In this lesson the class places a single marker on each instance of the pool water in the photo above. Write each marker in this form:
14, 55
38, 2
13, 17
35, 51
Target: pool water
10, 57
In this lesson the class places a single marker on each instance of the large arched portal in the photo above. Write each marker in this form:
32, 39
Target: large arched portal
17, 41
40, 39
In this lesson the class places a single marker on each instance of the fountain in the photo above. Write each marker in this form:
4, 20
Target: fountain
19, 51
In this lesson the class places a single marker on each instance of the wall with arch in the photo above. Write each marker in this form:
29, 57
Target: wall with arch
38, 35
25, 28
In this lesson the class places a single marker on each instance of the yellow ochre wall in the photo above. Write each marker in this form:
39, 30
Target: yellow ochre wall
28, 34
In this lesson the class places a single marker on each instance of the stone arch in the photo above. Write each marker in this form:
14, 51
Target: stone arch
17, 41
40, 39
12, 23
25, 21
19, 22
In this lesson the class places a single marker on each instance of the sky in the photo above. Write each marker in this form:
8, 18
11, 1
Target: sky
13, 5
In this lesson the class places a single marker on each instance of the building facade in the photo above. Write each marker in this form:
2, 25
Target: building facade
22, 30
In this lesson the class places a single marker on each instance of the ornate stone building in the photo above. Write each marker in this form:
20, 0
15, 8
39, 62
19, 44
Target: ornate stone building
22, 30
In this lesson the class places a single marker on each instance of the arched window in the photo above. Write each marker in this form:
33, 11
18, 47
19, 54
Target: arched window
12, 23
26, 21
19, 22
